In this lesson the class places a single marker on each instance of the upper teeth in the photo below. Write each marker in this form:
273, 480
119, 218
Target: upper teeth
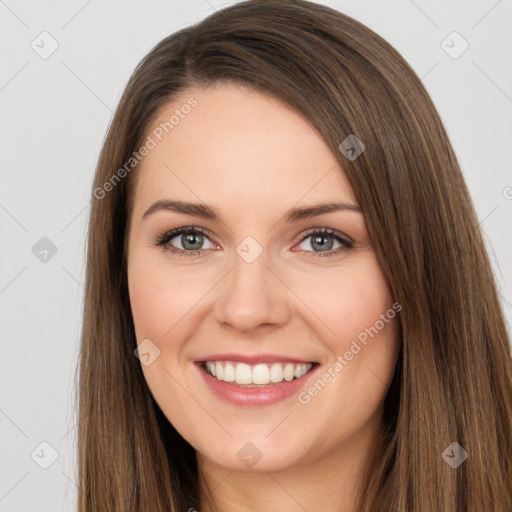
262, 373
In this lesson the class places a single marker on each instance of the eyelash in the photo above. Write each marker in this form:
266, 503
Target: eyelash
165, 238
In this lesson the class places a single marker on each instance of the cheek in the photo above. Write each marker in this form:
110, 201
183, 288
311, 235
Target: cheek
160, 296
345, 301
362, 348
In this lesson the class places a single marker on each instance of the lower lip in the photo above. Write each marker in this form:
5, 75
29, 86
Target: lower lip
257, 396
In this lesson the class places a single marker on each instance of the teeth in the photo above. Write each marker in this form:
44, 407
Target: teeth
256, 375
300, 370
229, 373
260, 374
219, 371
289, 371
276, 372
243, 374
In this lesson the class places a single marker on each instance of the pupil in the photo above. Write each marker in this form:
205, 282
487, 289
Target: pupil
323, 246
190, 239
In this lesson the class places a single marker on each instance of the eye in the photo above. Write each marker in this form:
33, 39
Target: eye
186, 241
324, 240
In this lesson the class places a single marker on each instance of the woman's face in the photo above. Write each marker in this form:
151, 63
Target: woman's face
256, 289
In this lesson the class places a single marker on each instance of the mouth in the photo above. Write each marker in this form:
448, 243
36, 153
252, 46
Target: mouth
255, 375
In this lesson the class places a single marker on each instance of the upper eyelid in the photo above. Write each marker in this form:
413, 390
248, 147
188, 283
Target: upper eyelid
309, 232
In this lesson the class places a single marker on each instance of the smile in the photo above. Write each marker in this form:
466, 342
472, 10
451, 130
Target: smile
252, 375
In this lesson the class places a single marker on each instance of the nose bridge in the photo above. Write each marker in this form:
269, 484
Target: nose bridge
250, 294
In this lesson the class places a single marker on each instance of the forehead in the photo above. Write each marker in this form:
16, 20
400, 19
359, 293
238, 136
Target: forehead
237, 146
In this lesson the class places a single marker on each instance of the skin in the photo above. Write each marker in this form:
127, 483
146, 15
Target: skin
253, 158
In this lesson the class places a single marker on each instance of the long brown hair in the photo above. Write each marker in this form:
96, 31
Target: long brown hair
453, 379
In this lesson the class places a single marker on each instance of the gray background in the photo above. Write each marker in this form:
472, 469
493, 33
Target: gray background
54, 115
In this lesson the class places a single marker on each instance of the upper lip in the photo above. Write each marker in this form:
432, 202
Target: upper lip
254, 359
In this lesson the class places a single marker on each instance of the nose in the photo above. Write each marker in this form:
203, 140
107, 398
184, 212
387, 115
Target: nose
252, 297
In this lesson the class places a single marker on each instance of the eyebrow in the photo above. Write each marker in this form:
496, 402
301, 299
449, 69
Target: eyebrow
206, 211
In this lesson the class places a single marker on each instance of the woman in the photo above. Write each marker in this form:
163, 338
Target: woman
288, 301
